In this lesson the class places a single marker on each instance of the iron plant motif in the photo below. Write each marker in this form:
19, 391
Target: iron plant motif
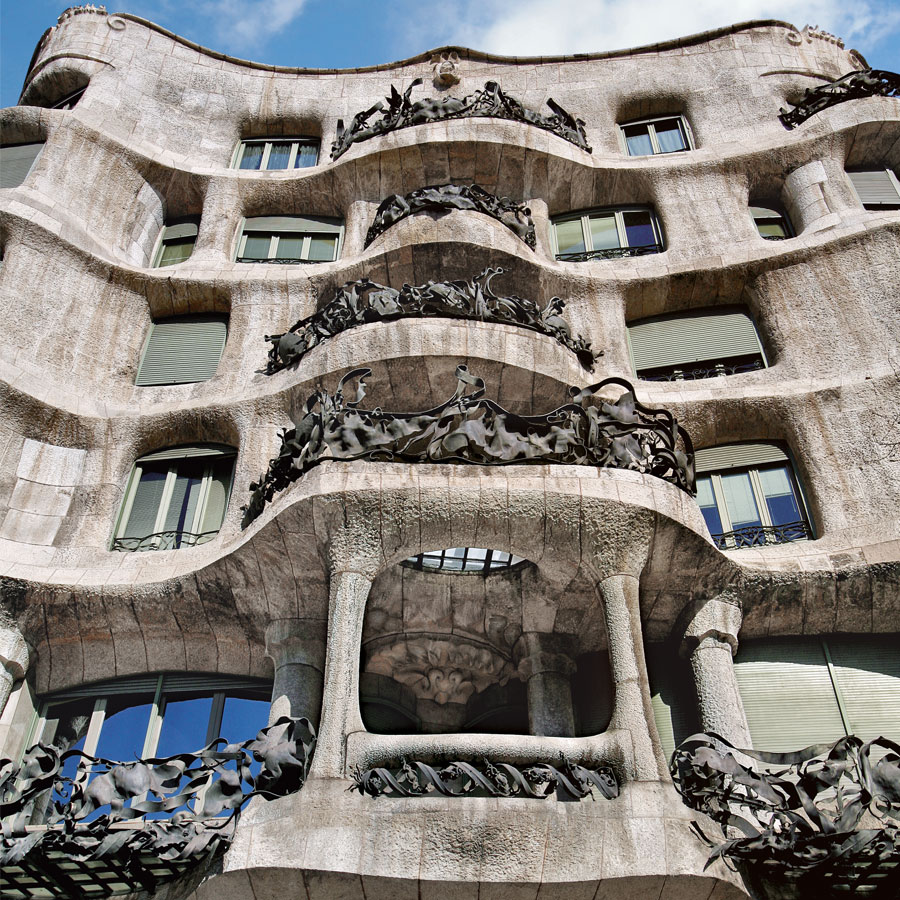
852, 86
610, 253
359, 302
460, 779
489, 102
81, 813
515, 216
828, 817
469, 429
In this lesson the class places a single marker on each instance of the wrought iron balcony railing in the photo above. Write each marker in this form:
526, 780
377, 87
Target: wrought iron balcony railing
285, 261
163, 540
612, 253
758, 535
699, 372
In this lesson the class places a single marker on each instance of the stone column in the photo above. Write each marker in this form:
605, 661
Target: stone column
297, 647
710, 642
632, 709
13, 662
348, 594
547, 674
805, 198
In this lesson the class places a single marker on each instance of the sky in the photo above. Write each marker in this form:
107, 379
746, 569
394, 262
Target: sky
345, 33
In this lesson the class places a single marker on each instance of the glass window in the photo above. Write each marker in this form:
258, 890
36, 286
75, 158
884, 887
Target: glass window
176, 243
290, 240
175, 498
650, 137
752, 498
606, 234
285, 153
876, 188
464, 559
770, 223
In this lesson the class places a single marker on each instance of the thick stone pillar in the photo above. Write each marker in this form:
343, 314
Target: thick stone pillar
348, 594
13, 662
547, 674
710, 642
297, 647
805, 198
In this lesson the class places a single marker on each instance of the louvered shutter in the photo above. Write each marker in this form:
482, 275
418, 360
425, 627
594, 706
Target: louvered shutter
672, 697
181, 351
217, 496
736, 456
305, 224
16, 163
787, 694
188, 453
682, 339
876, 188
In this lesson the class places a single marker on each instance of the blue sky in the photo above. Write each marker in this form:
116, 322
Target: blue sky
343, 33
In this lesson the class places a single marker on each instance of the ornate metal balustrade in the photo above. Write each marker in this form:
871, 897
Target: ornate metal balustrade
825, 821
759, 535
515, 216
852, 86
490, 102
468, 429
94, 835
281, 261
698, 373
359, 302
610, 253
163, 540
462, 779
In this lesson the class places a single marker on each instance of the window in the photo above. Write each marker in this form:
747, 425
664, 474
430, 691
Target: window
290, 239
175, 498
16, 162
463, 559
771, 224
285, 153
70, 101
606, 234
176, 243
876, 188
688, 346
749, 496
182, 350
153, 715
648, 137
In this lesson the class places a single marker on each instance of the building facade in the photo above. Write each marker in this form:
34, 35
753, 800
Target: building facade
521, 416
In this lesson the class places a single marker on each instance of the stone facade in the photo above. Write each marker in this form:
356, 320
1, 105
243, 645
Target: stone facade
312, 592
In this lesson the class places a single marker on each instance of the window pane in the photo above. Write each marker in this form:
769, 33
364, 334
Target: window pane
570, 237
184, 727
257, 246
142, 518
290, 246
279, 156
639, 228
307, 155
771, 227
176, 251
637, 140
243, 719
322, 249
779, 494
124, 729
739, 500
251, 156
217, 497
707, 502
669, 136
183, 505
604, 233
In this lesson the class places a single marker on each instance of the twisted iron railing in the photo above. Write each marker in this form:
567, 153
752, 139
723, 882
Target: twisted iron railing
460, 779
469, 429
360, 302
282, 261
758, 535
163, 540
697, 373
610, 253
852, 86
823, 820
101, 827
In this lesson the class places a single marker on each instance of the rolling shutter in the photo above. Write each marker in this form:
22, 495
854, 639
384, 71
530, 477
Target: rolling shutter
304, 224
682, 339
737, 456
188, 453
672, 697
16, 163
181, 351
787, 694
878, 188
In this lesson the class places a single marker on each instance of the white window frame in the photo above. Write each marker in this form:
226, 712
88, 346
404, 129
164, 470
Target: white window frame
683, 125
618, 213
773, 213
166, 498
160, 247
296, 143
274, 237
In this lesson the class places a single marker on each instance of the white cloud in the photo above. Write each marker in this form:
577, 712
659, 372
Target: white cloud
546, 27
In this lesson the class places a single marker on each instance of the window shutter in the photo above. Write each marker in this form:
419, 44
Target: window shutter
737, 456
787, 694
181, 351
876, 188
672, 697
217, 498
678, 340
145, 505
16, 163
188, 453
305, 224
182, 230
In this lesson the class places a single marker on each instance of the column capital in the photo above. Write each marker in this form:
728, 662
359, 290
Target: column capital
293, 641
538, 652
718, 619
